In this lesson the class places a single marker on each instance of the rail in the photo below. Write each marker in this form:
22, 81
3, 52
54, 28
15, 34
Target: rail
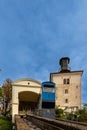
43, 123
73, 122
49, 124
59, 124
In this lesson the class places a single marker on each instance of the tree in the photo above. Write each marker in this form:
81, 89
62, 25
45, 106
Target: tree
80, 115
0, 100
83, 113
59, 112
7, 95
0, 93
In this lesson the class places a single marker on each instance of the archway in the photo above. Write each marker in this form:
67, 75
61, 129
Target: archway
27, 101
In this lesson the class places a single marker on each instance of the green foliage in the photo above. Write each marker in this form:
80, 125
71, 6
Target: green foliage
5, 124
59, 113
71, 116
82, 115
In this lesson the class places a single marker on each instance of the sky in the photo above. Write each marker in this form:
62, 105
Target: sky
35, 34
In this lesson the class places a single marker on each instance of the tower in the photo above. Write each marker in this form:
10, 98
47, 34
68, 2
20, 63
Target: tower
64, 64
68, 86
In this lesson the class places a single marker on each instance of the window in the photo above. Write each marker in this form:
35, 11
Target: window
76, 97
49, 89
77, 86
66, 81
66, 91
66, 100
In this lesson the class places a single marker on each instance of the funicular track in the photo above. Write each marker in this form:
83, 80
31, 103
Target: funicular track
23, 123
51, 124
43, 123
74, 123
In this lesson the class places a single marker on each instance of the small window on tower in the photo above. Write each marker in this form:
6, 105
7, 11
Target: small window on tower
68, 81
64, 81
66, 100
66, 91
77, 86
76, 96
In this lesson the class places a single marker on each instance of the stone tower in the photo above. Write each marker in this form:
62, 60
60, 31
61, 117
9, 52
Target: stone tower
68, 86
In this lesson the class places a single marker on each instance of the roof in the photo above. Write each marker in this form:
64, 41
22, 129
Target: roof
81, 71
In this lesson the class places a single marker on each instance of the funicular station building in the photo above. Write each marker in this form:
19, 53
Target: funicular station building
25, 96
26, 92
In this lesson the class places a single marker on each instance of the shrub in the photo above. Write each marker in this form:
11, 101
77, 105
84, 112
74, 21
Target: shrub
59, 113
5, 124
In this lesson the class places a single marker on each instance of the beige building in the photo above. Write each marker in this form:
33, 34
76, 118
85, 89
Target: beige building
68, 86
25, 94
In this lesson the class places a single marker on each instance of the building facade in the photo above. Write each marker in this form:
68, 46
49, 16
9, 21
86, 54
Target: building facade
68, 86
25, 94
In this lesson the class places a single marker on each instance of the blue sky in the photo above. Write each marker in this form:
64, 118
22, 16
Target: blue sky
35, 34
